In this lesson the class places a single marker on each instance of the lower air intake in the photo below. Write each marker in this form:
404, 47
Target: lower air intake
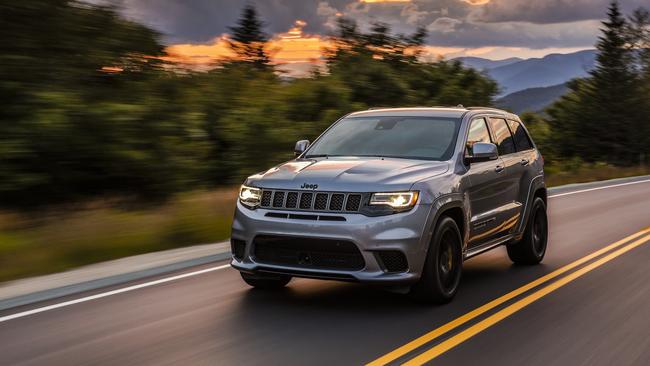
238, 248
393, 261
307, 252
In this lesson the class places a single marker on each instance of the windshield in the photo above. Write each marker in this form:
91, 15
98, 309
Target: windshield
430, 138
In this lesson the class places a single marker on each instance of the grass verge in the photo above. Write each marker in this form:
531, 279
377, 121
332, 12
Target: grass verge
64, 238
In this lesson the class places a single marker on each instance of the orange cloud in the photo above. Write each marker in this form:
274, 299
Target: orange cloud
295, 46
477, 2
385, 1
199, 56
292, 47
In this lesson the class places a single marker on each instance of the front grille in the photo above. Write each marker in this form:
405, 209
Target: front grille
278, 199
393, 260
307, 252
353, 203
292, 200
321, 201
305, 201
266, 198
312, 201
336, 202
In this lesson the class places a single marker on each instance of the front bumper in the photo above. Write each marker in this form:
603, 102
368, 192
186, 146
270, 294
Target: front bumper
406, 232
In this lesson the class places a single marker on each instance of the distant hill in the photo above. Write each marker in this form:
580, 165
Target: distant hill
549, 70
485, 64
533, 99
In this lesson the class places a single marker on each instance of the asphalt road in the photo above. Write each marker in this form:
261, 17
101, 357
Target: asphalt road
595, 313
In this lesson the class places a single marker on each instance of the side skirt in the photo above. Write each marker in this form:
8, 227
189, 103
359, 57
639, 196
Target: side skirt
488, 246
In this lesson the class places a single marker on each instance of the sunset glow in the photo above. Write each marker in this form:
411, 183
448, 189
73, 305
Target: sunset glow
292, 47
384, 1
477, 2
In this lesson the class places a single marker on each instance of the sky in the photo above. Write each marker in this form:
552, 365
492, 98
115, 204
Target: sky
195, 30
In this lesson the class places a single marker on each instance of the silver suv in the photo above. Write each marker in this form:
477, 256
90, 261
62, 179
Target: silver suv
397, 197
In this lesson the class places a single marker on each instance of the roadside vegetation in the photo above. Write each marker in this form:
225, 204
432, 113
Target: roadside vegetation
108, 150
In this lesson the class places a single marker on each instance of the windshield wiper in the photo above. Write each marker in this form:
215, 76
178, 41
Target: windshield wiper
317, 156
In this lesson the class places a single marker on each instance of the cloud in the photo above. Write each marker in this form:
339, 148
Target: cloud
547, 11
412, 14
329, 13
294, 51
451, 23
477, 2
444, 25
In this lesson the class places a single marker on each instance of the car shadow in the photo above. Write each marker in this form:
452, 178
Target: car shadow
484, 278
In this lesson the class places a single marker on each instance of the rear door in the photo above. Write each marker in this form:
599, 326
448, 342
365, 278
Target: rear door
509, 210
523, 158
486, 190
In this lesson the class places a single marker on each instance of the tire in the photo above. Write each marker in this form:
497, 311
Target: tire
443, 265
266, 282
532, 247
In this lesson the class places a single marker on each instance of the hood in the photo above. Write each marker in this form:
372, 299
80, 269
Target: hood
348, 174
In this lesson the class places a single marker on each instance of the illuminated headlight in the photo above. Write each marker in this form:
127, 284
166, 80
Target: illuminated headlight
250, 196
398, 200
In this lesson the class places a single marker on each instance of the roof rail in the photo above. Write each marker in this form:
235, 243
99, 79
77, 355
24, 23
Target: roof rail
490, 108
448, 106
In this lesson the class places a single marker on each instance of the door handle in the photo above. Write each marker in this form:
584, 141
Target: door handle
524, 162
498, 168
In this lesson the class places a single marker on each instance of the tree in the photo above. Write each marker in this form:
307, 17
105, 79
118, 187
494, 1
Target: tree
383, 69
599, 119
248, 40
640, 39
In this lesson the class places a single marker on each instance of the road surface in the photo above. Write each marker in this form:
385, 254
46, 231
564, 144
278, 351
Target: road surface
592, 308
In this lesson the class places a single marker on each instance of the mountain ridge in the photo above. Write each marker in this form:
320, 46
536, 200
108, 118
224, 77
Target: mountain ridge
550, 70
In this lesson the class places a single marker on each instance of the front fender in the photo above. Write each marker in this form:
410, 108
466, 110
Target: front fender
438, 207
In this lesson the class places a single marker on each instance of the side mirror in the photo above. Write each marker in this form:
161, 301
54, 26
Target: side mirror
301, 146
483, 151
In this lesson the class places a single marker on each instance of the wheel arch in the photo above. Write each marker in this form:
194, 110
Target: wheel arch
453, 206
537, 189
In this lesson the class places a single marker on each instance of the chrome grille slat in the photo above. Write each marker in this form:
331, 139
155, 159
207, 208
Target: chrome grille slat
311, 200
266, 198
306, 199
336, 201
353, 202
278, 199
321, 201
292, 200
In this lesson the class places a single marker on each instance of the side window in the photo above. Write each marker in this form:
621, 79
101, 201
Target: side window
521, 137
478, 132
504, 140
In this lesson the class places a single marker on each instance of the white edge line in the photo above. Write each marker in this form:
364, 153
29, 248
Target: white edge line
211, 269
598, 188
110, 293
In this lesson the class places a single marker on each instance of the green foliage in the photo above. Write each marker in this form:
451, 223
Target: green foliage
88, 108
605, 117
382, 69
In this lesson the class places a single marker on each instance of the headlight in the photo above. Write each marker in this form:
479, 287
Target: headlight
250, 196
399, 200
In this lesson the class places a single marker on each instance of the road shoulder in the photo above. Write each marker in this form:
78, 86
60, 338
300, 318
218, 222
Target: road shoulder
42, 288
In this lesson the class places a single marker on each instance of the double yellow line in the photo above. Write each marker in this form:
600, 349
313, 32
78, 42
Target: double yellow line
622, 246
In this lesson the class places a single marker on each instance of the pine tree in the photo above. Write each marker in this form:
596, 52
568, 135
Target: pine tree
614, 102
640, 38
248, 40
600, 119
